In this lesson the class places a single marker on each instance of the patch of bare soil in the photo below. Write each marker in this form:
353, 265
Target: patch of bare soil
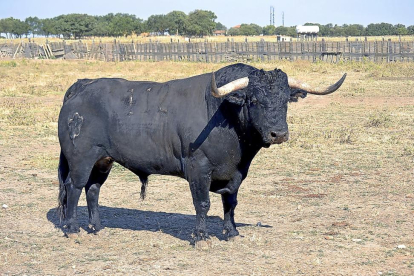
335, 200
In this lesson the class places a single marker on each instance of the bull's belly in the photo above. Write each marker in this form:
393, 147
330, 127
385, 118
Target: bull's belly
143, 156
153, 161
170, 165
147, 168
147, 162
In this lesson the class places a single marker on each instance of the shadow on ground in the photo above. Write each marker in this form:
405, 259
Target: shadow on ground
177, 225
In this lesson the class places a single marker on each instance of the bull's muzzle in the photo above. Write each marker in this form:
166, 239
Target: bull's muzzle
278, 137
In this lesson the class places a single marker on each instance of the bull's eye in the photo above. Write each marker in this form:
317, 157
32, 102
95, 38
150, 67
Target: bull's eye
254, 100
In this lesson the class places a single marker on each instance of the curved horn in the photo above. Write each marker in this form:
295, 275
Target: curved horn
297, 84
227, 88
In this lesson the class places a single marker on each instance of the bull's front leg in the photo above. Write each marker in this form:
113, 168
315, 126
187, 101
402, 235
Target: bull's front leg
229, 199
200, 187
229, 204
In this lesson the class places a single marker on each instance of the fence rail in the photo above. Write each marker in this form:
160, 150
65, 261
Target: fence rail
378, 51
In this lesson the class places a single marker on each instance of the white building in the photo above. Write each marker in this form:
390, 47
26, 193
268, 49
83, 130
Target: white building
307, 32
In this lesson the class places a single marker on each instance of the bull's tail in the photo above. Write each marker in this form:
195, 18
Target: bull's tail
63, 172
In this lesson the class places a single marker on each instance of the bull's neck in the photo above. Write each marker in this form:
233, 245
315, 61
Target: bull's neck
253, 137
239, 120
236, 118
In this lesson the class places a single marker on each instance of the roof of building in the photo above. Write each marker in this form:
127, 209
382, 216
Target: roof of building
307, 29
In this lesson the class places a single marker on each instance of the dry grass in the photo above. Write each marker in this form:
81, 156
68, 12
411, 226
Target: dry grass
337, 199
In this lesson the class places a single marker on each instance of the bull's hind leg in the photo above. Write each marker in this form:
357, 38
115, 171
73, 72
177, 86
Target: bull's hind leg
80, 171
97, 178
72, 197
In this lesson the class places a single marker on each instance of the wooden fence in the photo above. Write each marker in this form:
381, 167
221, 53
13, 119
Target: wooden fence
377, 51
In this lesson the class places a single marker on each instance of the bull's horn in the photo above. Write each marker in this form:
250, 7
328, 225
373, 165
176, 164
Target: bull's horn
229, 87
296, 84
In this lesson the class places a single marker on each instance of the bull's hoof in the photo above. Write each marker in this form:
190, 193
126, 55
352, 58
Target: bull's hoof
231, 234
234, 238
203, 244
72, 236
101, 233
94, 229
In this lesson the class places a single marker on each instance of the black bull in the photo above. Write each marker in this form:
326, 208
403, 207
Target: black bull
184, 128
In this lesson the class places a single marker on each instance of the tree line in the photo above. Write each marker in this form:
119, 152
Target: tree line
328, 30
196, 23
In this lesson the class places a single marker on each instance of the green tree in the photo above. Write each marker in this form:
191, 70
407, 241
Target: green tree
34, 25
269, 30
233, 31
379, 29
338, 30
79, 24
48, 27
326, 30
3, 27
7, 26
201, 22
400, 29
354, 30
176, 22
62, 26
250, 29
17, 27
281, 30
123, 24
410, 30
220, 27
102, 26
139, 26
291, 31
157, 23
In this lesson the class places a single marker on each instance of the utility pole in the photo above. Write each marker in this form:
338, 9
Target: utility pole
272, 15
283, 18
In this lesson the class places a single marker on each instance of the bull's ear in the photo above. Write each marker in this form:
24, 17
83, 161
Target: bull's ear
237, 98
295, 94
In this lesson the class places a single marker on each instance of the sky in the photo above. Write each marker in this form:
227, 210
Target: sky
229, 12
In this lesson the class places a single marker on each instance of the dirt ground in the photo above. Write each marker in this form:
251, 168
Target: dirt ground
337, 199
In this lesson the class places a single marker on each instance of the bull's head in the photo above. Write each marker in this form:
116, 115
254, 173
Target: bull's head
266, 95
